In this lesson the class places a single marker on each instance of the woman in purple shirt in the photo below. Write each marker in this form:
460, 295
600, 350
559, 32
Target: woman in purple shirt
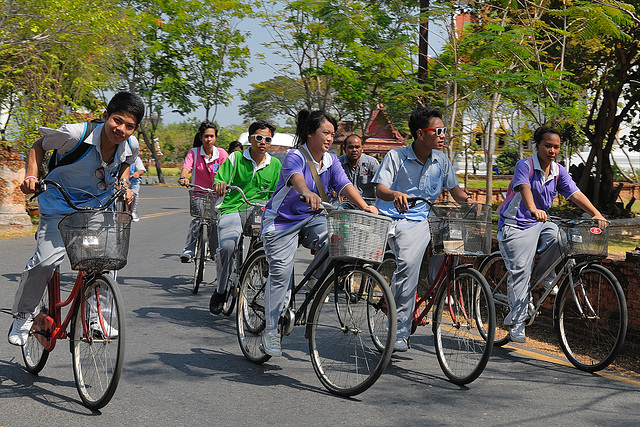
286, 217
523, 219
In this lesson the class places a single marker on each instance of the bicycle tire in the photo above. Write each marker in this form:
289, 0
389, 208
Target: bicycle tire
386, 269
98, 341
460, 309
344, 358
230, 301
250, 315
232, 282
495, 273
33, 352
200, 256
591, 341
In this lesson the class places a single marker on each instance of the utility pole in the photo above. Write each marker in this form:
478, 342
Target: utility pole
423, 44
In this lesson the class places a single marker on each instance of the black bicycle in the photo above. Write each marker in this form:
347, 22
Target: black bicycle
349, 314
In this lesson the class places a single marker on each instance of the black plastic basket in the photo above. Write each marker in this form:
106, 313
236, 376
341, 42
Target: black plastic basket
96, 240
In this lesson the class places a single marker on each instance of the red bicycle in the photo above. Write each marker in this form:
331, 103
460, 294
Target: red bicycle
463, 319
96, 240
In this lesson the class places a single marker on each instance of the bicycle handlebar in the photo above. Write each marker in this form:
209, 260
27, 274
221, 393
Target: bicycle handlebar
41, 187
326, 206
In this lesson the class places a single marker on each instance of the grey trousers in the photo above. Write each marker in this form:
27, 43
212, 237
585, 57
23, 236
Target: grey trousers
230, 226
49, 254
408, 241
519, 252
192, 235
280, 247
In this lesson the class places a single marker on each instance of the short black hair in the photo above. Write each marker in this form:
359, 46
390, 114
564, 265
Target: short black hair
539, 133
421, 118
234, 145
261, 124
352, 136
126, 102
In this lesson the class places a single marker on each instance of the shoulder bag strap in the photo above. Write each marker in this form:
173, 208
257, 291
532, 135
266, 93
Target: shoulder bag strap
314, 174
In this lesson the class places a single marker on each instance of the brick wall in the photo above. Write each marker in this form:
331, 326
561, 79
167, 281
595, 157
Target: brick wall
627, 271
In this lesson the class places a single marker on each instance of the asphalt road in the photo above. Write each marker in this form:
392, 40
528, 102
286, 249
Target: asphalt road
184, 366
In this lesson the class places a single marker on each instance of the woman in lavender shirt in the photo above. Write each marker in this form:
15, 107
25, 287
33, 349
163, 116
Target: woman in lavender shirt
286, 217
523, 219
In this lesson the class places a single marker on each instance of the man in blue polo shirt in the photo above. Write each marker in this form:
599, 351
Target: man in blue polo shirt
90, 180
419, 169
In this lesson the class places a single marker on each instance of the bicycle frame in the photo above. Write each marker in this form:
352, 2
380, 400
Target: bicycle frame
445, 274
50, 327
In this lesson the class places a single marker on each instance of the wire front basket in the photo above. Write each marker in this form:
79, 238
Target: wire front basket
584, 237
463, 230
96, 240
203, 204
357, 235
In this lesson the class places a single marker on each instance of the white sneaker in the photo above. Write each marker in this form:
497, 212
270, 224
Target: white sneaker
20, 329
554, 289
401, 344
135, 217
516, 333
109, 330
271, 344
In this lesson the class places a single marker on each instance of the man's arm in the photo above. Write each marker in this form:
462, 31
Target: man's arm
123, 177
36, 154
459, 195
398, 198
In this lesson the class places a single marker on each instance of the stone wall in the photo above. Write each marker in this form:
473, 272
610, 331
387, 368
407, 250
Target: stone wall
13, 212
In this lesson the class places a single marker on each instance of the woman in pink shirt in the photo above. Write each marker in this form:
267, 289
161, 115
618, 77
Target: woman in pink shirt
203, 162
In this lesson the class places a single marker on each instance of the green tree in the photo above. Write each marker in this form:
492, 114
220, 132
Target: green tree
278, 97
54, 58
179, 58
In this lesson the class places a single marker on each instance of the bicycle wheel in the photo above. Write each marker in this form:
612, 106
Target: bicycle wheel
250, 317
495, 273
345, 359
591, 319
462, 310
200, 256
34, 354
98, 337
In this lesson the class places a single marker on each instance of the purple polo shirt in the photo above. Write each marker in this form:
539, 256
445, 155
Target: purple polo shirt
284, 209
514, 212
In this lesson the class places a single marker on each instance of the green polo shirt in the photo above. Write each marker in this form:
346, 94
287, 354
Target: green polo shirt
257, 181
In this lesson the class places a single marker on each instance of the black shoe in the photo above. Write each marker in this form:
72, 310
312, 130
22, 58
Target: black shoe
217, 302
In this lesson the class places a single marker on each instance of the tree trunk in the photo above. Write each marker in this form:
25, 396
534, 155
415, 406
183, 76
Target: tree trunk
490, 147
148, 140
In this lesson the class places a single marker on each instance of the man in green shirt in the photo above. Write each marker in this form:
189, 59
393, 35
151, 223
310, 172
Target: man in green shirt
257, 173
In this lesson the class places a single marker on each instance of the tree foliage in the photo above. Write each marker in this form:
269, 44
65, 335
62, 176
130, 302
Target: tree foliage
55, 56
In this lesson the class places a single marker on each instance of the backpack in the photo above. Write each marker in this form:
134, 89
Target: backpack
77, 152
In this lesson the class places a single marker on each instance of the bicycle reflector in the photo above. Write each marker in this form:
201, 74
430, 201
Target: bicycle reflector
595, 230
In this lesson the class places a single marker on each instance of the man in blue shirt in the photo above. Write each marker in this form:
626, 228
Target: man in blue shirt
419, 169
94, 175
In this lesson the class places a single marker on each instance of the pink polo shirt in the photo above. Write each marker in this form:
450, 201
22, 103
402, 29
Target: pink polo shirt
206, 167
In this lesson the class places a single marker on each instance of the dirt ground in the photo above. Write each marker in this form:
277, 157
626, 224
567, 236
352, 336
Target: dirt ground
543, 337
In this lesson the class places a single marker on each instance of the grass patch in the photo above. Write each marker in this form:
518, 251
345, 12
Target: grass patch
474, 183
8, 233
165, 171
